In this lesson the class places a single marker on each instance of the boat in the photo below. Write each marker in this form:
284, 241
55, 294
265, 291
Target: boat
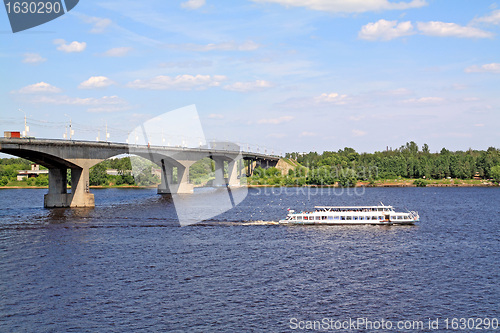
351, 215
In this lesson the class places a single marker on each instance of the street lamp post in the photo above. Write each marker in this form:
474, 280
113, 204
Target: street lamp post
71, 132
26, 127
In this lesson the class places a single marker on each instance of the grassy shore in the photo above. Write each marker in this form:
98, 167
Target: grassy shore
401, 182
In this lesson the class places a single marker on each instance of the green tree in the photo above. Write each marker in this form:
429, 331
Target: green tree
273, 172
425, 149
347, 178
495, 172
98, 175
420, 183
42, 180
4, 181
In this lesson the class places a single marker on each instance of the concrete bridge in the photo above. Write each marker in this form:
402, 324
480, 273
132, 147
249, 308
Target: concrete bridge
79, 156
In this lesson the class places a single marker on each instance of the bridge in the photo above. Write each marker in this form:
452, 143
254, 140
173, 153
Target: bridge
79, 156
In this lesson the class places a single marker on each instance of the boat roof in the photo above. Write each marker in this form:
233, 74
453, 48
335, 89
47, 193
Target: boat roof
351, 207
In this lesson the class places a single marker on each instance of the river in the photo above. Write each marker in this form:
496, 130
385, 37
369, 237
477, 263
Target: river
127, 265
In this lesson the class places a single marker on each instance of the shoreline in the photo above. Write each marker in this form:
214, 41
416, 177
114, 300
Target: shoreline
383, 185
386, 185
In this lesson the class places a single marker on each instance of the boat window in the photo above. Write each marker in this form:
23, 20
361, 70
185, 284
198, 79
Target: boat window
349, 218
380, 217
299, 217
306, 217
330, 217
342, 218
318, 217
334, 217
354, 217
374, 217
400, 217
323, 217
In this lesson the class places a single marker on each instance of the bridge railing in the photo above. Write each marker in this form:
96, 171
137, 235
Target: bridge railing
212, 145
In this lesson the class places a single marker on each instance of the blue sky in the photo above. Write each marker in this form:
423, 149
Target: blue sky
289, 75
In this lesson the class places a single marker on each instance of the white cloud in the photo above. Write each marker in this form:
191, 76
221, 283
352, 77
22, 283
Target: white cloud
386, 30
277, 135
397, 92
41, 87
325, 100
443, 29
358, 133
117, 52
69, 48
493, 18
99, 24
215, 116
180, 82
91, 101
186, 64
487, 68
307, 134
248, 86
425, 100
332, 98
33, 58
276, 121
108, 109
226, 46
96, 82
349, 6
193, 4
357, 118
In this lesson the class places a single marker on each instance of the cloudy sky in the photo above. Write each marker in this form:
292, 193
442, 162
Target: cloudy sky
289, 75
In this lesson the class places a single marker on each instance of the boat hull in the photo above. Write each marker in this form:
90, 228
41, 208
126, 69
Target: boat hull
351, 215
288, 222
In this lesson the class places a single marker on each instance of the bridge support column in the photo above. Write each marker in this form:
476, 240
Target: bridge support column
182, 185
183, 179
166, 178
219, 172
251, 167
58, 196
232, 170
58, 193
80, 188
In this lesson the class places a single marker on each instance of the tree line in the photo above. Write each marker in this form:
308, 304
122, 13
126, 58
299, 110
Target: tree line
344, 167
408, 161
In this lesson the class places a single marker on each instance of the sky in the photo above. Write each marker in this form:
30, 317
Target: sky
277, 75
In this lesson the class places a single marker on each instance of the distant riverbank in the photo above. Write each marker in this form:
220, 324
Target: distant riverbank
378, 183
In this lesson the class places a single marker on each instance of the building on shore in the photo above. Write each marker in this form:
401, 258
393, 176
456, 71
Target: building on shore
33, 173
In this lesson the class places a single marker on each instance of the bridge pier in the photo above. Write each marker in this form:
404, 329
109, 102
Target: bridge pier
58, 193
232, 172
58, 196
182, 185
219, 172
80, 188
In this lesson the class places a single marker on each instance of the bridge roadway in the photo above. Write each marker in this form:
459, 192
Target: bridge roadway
80, 156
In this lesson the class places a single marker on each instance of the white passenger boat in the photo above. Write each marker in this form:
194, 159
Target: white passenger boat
377, 215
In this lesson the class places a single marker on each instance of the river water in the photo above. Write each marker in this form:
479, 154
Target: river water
127, 265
